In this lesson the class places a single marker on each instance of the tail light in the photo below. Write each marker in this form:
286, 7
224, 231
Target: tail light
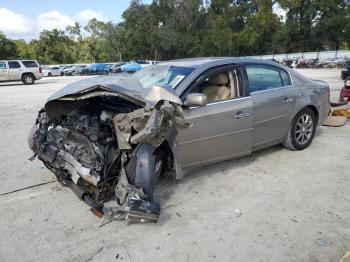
40, 70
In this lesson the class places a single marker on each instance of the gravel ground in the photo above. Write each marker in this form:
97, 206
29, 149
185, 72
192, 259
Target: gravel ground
275, 205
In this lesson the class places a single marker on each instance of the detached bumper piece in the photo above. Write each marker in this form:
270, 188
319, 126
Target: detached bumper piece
141, 211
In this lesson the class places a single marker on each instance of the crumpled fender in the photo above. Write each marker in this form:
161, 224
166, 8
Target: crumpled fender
145, 161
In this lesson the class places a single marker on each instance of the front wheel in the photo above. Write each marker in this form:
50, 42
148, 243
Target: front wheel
301, 131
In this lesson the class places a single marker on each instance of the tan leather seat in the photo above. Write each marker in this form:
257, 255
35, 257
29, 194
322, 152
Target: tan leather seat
218, 90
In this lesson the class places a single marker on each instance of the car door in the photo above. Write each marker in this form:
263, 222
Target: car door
55, 71
221, 130
274, 99
15, 70
4, 76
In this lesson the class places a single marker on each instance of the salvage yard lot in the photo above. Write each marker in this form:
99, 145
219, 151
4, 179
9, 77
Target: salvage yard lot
293, 206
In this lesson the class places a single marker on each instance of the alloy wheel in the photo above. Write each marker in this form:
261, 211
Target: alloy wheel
28, 79
303, 129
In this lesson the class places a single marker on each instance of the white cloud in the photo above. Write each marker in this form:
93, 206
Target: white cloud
53, 19
16, 26
87, 14
12, 23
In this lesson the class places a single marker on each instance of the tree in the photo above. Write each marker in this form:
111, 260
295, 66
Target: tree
75, 31
8, 48
331, 22
92, 42
169, 29
54, 47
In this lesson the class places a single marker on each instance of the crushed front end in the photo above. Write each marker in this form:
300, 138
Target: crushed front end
110, 148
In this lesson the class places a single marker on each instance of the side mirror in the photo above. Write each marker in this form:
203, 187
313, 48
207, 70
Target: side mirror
196, 99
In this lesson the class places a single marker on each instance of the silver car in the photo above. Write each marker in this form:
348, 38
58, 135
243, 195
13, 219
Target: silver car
27, 71
112, 138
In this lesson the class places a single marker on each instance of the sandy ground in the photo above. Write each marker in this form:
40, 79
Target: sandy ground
295, 206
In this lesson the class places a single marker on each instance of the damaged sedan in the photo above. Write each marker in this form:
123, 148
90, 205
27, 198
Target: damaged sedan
111, 138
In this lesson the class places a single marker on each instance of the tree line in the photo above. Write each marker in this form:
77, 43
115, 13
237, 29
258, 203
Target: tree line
170, 29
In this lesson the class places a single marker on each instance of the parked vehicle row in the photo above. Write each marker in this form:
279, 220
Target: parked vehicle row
96, 68
299, 62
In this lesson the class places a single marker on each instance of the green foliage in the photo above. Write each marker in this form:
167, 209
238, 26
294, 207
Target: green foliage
54, 47
168, 29
7, 47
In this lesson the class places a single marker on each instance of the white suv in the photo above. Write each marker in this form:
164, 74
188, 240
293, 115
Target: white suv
26, 71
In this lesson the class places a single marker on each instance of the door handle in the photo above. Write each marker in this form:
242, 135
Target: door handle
287, 100
241, 115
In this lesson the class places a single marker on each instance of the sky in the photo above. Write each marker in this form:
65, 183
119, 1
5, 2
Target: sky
25, 19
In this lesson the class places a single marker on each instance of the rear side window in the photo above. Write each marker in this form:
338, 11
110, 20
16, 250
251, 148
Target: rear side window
2, 65
262, 77
285, 78
29, 63
14, 64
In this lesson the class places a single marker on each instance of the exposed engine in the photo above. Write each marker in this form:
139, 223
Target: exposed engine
93, 146
80, 145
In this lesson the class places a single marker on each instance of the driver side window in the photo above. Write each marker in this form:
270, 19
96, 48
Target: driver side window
218, 86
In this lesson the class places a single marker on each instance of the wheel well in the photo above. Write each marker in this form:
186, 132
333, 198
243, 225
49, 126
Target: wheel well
27, 73
165, 149
314, 109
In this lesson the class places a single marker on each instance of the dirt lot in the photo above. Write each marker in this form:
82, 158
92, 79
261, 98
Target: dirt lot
295, 206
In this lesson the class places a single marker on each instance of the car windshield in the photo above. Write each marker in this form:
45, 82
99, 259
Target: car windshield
162, 75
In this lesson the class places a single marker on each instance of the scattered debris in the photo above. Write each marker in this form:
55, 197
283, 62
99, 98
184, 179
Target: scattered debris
28, 187
237, 212
92, 257
323, 242
121, 217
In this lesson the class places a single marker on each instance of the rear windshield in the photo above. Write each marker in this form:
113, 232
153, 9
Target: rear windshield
29, 63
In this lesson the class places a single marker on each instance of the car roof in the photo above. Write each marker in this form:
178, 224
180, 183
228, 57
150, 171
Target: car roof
212, 61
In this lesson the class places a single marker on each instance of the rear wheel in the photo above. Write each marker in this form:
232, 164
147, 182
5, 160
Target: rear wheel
28, 79
301, 131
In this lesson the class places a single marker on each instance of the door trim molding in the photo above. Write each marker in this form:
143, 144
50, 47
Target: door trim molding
214, 137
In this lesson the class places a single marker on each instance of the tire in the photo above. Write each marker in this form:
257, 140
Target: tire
62, 74
28, 79
301, 131
49, 74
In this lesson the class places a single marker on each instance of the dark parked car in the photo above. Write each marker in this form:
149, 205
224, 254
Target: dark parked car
112, 138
